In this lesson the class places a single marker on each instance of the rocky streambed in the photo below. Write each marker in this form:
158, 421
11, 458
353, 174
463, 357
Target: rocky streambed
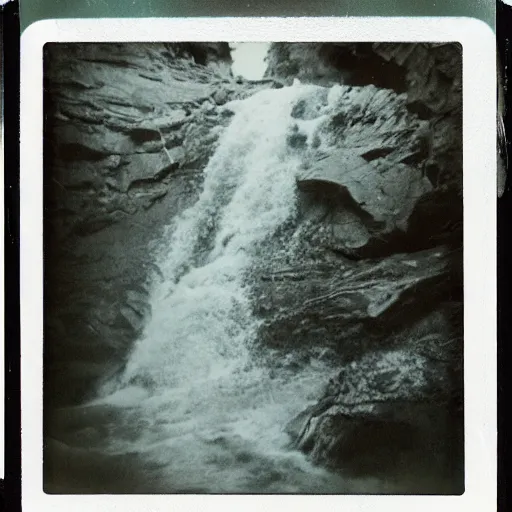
253, 286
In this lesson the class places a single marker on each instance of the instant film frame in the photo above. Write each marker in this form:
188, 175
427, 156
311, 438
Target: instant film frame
479, 130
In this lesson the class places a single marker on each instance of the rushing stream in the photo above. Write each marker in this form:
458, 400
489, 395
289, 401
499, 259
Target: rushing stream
194, 400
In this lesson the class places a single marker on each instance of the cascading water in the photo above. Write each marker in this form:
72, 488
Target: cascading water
202, 324
193, 397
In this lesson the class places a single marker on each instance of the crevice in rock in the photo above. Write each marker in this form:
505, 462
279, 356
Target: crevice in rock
364, 67
141, 135
77, 151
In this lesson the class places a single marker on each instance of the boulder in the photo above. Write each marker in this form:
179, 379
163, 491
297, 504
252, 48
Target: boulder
368, 164
389, 408
387, 197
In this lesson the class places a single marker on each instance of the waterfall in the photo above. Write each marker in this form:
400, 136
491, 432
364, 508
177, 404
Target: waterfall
195, 397
202, 325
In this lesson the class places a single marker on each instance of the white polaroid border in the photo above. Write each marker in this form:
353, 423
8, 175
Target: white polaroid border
2, 286
479, 125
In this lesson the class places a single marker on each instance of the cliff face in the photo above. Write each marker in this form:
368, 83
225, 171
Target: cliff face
129, 128
429, 74
390, 198
120, 119
367, 276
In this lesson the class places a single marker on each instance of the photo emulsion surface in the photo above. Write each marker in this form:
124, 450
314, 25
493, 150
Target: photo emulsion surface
253, 268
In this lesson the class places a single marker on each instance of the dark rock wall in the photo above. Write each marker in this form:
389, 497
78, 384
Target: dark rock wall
430, 75
119, 120
433, 74
387, 308
128, 130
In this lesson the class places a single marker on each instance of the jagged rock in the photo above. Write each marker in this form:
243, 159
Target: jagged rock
430, 76
430, 73
399, 402
435, 86
366, 185
388, 198
117, 118
351, 308
89, 142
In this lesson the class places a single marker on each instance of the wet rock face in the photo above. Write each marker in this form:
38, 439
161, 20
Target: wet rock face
372, 174
376, 284
352, 307
429, 74
395, 152
392, 330
129, 128
405, 390
120, 120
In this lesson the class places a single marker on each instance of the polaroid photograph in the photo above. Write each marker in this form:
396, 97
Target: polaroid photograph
258, 264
